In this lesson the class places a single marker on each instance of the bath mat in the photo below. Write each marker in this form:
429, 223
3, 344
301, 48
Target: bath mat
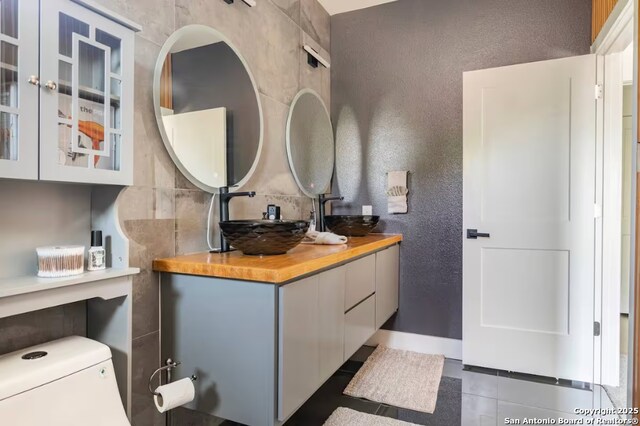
400, 378
348, 417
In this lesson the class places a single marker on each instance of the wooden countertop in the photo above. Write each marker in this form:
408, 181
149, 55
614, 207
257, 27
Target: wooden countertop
302, 260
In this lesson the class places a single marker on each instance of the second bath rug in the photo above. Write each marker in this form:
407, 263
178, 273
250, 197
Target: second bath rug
400, 378
348, 417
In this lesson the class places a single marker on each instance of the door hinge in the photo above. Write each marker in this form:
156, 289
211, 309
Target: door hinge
596, 328
597, 211
598, 91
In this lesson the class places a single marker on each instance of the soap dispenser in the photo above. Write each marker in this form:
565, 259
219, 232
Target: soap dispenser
97, 257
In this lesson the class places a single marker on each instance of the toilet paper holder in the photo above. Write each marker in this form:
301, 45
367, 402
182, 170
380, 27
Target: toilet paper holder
169, 365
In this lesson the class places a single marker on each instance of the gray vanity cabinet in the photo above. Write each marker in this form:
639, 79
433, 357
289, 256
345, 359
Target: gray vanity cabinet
225, 332
332, 321
323, 321
359, 304
299, 345
361, 280
359, 325
387, 275
260, 349
311, 329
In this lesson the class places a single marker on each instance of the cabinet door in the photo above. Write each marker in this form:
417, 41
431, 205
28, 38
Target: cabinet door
298, 361
331, 310
387, 276
361, 280
19, 92
86, 104
359, 326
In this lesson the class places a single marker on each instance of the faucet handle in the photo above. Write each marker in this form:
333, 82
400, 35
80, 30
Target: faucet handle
328, 197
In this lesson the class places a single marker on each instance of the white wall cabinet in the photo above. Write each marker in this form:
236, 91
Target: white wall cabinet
387, 281
18, 98
75, 72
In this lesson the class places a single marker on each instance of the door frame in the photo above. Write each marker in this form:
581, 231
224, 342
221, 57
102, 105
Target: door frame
617, 33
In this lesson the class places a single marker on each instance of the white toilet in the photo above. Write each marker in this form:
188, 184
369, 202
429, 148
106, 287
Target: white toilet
67, 382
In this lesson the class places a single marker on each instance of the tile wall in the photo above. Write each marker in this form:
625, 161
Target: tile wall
165, 215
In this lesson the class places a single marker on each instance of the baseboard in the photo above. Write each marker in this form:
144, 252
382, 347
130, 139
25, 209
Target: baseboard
450, 348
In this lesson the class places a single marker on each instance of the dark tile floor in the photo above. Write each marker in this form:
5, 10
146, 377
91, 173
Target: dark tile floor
329, 397
466, 397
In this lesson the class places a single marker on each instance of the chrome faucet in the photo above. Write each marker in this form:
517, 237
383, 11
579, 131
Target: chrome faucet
322, 199
225, 197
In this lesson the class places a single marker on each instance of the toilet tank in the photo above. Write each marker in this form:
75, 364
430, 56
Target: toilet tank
66, 382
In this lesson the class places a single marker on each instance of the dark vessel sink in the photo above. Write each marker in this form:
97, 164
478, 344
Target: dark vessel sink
351, 225
264, 237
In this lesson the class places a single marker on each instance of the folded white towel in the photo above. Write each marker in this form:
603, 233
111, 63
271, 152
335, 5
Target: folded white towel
324, 238
396, 192
397, 204
330, 238
397, 178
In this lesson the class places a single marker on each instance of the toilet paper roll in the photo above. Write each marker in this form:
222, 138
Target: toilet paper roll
174, 394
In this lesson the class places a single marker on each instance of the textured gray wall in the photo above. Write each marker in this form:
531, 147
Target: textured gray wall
396, 79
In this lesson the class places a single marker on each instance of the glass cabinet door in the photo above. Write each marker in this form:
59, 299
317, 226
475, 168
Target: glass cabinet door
18, 89
86, 74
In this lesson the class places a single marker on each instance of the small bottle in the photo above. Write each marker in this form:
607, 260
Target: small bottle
97, 258
273, 212
312, 221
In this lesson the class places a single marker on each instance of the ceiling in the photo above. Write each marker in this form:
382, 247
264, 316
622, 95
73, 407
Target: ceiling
340, 6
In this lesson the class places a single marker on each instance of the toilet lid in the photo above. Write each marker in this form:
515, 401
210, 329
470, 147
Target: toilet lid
29, 368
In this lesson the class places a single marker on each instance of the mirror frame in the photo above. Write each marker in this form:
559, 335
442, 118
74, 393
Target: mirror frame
166, 47
288, 141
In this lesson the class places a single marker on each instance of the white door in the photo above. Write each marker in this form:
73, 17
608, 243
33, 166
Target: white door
529, 183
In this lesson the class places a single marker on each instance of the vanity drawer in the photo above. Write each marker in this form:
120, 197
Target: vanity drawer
361, 281
359, 326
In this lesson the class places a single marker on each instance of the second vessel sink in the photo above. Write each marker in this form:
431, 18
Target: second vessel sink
264, 237
351, 225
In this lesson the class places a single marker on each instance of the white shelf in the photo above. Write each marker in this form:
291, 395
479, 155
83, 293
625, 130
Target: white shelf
9, 67
30, 284
87, 93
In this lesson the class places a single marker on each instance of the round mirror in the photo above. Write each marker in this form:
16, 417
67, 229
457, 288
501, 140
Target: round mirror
208, 108
310, 143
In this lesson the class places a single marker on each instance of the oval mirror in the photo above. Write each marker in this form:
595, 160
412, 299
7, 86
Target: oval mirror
207, 108
310, 143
